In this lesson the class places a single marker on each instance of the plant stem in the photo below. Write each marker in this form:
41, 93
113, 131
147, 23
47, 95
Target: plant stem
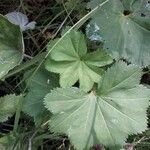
17, 116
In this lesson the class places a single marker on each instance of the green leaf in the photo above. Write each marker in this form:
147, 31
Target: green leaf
38, 86
11, 46
7, 142
71, 60
8, 106
125, 29
108, 116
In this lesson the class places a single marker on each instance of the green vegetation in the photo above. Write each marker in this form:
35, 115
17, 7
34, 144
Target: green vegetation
74, 75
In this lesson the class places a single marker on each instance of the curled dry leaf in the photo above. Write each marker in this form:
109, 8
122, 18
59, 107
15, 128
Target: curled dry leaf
20, 19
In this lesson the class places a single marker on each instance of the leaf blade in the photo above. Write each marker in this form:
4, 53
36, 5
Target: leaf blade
113, 115
11, 46
131, 38
8, 106
73, 63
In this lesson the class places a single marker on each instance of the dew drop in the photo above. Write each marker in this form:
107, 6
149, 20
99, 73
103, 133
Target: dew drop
48, 81
2, 73
62, 112
115, 121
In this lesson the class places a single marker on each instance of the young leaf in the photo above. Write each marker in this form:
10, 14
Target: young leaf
8, 106
125, 32
38, 86
105, 117
11, 46
71, 60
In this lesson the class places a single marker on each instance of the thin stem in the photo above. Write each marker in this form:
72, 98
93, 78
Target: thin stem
17, 116
27, 56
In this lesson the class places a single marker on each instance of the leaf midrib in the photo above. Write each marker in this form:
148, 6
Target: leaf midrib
122, 113
140, 26
54, 127
111, 137
124, 80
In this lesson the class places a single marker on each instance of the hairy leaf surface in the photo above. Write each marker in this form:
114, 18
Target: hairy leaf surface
71, 60
8, 106
11, 46
107, 116
38, 86
125, 29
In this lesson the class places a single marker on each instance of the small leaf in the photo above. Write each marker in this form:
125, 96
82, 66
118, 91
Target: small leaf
11, 46
38, 86
20, 19
125, 28
8, 106
71, 60
105, 117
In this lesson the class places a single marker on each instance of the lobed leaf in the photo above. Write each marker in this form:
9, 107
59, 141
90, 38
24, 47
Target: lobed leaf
71, 60
125, 29
117, 109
